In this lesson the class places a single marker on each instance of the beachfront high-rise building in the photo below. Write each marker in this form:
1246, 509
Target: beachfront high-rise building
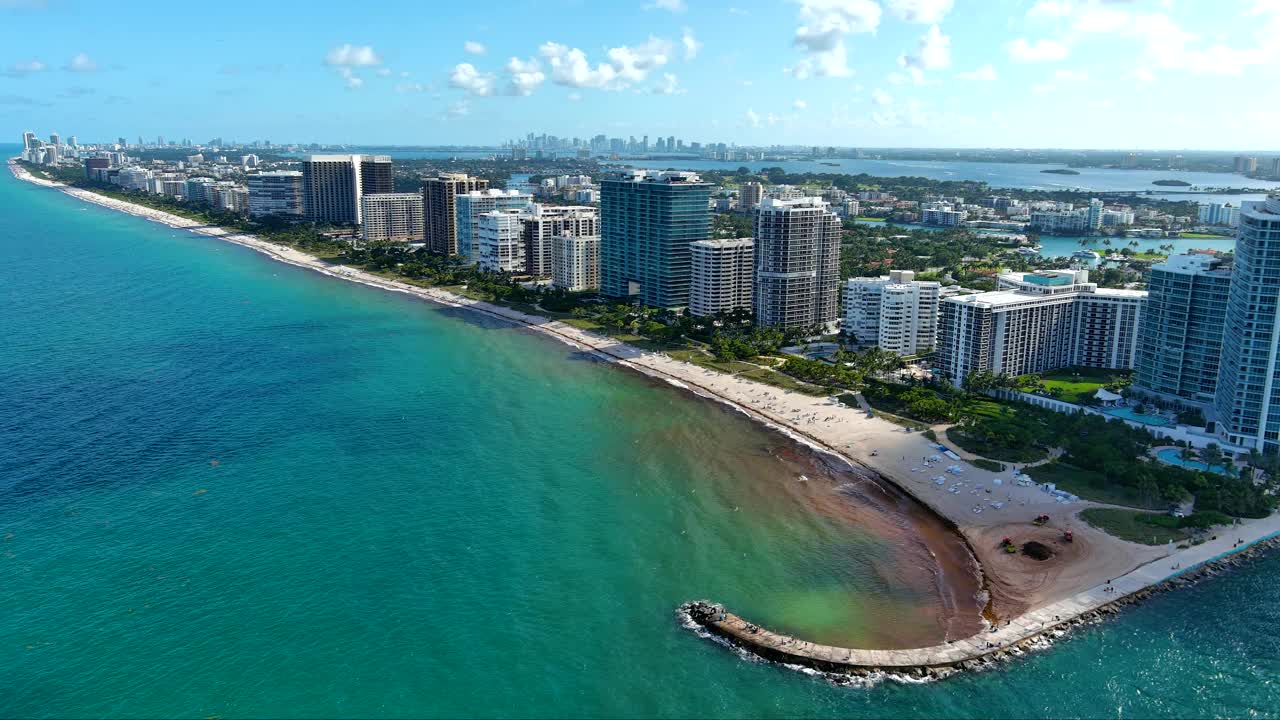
499, 243
576, 262
1247, 399
797, 254
723, 276
546, 222
1246, 164
1037, 322
895, 312
392, 217
647, 221
750, 196
199, 190
469, 206
1180, 333
332, 185
439, 195
276, 193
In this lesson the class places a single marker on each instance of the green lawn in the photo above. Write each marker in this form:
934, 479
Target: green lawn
1075, 385
1198, 235
1125, 524
1089, 485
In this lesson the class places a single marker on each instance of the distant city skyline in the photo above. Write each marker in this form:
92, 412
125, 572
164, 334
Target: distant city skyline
1147, 74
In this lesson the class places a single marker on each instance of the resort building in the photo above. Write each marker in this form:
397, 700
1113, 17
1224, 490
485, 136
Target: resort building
647, 221
942, 214
392, 217
469, 206
576, 262
895, 312
499, 244
1180, 334
1037, 322
276, 193
1076, 221
439, 195
332, 185
1247, 399
797, 264
722, 276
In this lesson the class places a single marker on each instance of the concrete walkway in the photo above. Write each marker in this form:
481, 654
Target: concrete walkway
1026, 627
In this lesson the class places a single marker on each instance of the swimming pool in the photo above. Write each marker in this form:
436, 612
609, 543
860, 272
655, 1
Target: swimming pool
1173, 456
1125, 413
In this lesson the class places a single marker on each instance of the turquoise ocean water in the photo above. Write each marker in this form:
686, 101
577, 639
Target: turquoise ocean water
233, 488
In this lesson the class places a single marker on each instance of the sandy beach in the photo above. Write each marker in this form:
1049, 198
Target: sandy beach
982, 510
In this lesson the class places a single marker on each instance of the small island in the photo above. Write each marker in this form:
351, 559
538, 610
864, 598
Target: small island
1060, 171
1171, 183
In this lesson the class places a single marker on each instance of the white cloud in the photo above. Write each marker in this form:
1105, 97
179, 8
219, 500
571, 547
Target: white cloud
569, 67
82, 63
1142, 75
800, 105
471, 47
675, 6
926, 12
881, 97
1101, 19
26, 68
384, 72
1050, 9
986, 73
821, 35
634, 63
670, 85
354, 83
690, 43
1071, 75
1039, 51
575, 97
408, 87
753, 119
1042, 88
525, 76
349, 55
461, 108
465, 76
934, 53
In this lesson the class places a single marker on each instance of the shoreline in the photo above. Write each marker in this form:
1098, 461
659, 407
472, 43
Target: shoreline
866, 445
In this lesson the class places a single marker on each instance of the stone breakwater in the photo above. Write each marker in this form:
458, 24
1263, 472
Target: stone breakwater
848, 666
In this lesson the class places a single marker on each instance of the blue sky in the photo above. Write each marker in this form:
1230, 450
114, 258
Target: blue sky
1188, 74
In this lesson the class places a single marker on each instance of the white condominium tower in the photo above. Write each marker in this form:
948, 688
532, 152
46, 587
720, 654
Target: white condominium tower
500, 242
544, 223
1247, 401
576, 262
469, 206
722, 277
797, 263
896, 312
1037, 322
392, 217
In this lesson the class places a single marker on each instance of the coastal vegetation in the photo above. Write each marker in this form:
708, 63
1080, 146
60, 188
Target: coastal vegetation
1060, 171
